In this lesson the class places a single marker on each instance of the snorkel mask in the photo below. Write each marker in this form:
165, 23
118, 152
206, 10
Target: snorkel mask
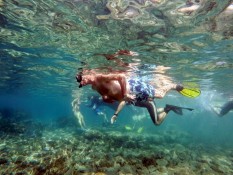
79, 79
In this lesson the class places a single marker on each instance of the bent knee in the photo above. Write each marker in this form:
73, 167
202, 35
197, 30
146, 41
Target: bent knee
159, 94
157, 123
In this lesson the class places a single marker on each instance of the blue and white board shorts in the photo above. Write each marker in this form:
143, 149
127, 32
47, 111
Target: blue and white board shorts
142, 90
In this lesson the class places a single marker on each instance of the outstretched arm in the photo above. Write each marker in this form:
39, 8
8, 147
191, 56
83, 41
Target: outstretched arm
119, 108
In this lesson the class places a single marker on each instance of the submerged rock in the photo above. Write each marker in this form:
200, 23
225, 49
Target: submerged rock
162, 162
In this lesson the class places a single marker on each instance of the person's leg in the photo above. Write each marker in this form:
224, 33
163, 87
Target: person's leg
80, 118
157, 116
161, 92
77, 113
226, 108
162, 115
216, 110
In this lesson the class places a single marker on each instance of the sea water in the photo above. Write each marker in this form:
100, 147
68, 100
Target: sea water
45, 43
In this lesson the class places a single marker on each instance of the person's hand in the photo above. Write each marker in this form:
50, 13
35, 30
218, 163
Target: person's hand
113, 119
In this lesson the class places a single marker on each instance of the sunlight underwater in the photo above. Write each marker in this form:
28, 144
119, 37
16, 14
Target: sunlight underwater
49, 126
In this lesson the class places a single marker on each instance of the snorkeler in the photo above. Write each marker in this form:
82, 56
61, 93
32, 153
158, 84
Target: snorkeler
76, 109
118, 87
126, 89
227, 107
96, 103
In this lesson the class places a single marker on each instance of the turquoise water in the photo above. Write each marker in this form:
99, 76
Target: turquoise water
44, 44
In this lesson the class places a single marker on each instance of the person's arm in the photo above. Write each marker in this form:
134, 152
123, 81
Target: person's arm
119, 108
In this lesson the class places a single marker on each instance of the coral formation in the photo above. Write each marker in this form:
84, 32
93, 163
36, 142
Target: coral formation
69, 151
15, 122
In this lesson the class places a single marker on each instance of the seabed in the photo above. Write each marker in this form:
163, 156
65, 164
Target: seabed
101, 151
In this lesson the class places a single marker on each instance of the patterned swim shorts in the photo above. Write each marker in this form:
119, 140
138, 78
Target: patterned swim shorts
142, 90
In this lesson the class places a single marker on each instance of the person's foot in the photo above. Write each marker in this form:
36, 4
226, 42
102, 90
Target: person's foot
176, 109
179, 87
216, 110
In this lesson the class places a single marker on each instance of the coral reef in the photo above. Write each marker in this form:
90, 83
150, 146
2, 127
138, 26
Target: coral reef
69, 151
16, 122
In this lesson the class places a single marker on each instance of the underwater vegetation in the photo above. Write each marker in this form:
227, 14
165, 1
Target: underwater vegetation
17, 122
69, 150
44, 43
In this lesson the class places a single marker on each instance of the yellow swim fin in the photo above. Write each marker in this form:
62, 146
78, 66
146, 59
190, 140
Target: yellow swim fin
190, 92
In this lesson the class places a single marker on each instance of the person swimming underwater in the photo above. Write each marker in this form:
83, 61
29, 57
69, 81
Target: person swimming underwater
96, 104
226, 108
117, 87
